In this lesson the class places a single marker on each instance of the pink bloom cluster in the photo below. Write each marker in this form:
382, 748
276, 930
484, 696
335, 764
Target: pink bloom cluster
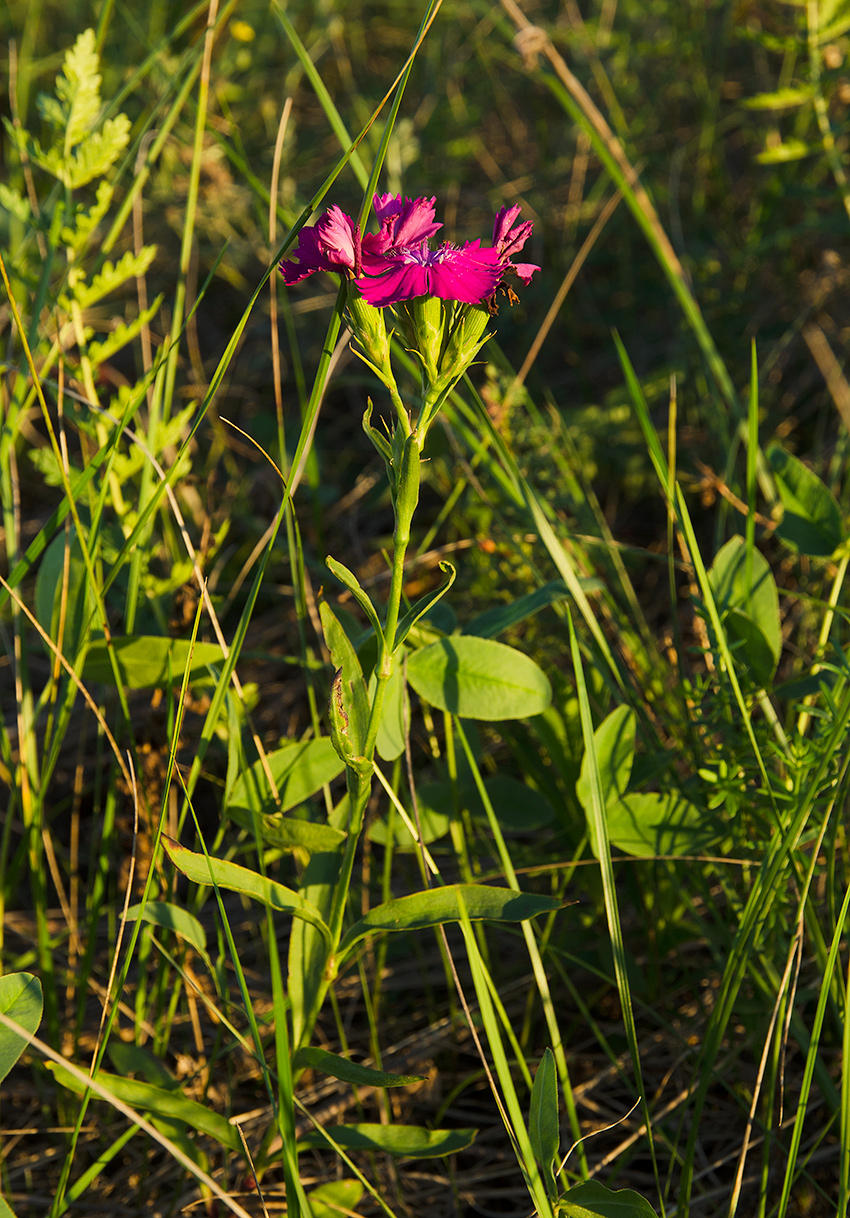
397, 263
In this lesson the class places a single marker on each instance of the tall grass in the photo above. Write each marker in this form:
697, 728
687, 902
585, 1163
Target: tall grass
654, 517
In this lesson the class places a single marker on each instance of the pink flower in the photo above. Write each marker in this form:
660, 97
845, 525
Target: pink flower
403, 223
332, 244
510, 241
469, 274
397, 263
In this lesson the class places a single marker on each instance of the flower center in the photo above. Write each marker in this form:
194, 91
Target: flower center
421, 255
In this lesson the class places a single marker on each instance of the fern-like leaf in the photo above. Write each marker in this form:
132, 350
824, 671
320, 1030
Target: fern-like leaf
112, 276
78, 89
123, 334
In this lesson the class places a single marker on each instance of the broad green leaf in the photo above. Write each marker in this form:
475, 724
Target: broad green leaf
441, 905
650, 824
390, 741
407, 1141
201, 870
544, 1130
79, 600
299, 770
728, 579
350, 1072
171, 1105
750, 647
518, 807
434, 800
751, 613
615, 751
336, 1199
479, 679
290, 832
349, 703
494, 621
146, 660
594, 1200
172, 917
22, 1000
812, 522
5, 1210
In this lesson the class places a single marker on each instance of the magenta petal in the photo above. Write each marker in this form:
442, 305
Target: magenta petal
400, 281
503, 222
524, 270
309, 255
386, 206
415, 223
338, 238
468, 275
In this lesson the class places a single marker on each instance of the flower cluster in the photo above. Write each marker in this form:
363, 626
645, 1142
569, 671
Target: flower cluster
398, 263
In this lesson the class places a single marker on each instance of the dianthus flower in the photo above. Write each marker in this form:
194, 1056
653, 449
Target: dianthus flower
508, 241
332, 244
397, 263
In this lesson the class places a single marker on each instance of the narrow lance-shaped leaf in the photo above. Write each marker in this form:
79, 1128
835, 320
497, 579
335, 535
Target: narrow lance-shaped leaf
172, 1105
403, 1141
350, 1072
543, 1121
224, 874
441, 905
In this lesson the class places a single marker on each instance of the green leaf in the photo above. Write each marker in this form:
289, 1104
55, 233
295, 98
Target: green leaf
503, 617
349, 1072
544, 1130
128, 1058
336, 1199
519, 808
349, 579
779, 154
299, 770
74, 109
114, 275
751, 613
22, 1000
390, 739
404, 1141
5, 1210
289, 832
649, 824
812, 522
143, 660
426, 605
441, 905
615, 751
123, 334
201, 870
172, 917
594, 1200
780, 99
79, 600
479, 679
750, 647
434, 800
171, 1105
349, 703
